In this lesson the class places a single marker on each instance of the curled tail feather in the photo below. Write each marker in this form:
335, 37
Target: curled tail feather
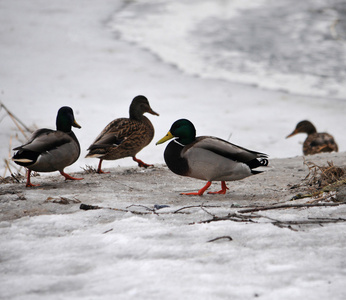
264, 162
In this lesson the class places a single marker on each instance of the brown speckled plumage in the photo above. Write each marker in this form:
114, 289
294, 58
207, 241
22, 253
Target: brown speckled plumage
316, 142
125, 137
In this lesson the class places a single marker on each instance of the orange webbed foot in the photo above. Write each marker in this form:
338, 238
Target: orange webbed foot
200, 192
99, 171
29, 184
141, 163
223, 190
68, 177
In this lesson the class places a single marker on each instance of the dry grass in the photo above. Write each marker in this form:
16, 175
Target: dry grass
324, 181
20, 136
322, 176
89, 169
14, 178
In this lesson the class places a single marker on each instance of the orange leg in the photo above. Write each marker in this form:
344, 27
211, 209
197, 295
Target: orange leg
200, 192
99, 168
68, 177
28, 183
141, 163
223, 189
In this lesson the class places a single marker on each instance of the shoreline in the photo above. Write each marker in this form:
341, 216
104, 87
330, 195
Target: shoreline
157, 186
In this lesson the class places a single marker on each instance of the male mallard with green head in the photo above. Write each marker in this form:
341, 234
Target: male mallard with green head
316, 142
125, 137
208, 158
49, 150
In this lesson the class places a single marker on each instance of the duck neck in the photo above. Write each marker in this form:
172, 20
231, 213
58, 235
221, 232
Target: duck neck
135, 113
62, 125
310, 129
185, 141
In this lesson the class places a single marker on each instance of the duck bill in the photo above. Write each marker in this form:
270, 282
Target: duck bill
75, 124
292, 134
153, 112
167, 137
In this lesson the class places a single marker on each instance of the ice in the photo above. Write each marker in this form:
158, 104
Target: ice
272, 44
95, 56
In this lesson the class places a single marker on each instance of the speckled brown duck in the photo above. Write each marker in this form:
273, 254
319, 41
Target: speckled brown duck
125, 137
51, 150
316, 142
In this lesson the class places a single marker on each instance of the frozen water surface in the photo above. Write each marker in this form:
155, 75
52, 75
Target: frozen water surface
299, 48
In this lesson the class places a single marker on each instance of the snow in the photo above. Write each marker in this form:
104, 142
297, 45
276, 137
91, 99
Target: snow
151, 259
97, 56
106, 254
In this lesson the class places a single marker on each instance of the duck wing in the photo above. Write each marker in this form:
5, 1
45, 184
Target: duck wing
225, 149
319, 142
126, 134
211, 158
113, 134
45, 140
48, 150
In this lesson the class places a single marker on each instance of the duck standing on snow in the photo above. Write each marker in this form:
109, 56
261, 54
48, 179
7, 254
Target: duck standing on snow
316, 142
208, 158
49, 150
125, 137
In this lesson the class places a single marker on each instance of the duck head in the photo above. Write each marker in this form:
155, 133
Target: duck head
139, 106
65, 119
183, 130
303, 127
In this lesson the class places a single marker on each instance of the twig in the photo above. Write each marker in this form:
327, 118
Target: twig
232, 217
309, 221
139, 205
289, 206
209, 213
220, 238
194, 206
146, 207
92, 207
7, 163
15, 178
16, 120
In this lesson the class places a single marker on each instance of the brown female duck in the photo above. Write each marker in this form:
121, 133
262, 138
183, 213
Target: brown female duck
49, 150
316, 142
125, 137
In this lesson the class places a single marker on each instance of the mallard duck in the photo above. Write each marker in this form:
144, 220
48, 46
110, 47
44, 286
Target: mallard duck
316, 142
125, 137
49, 150
208, 158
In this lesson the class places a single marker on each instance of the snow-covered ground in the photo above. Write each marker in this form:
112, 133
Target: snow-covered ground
247, 71
57, 251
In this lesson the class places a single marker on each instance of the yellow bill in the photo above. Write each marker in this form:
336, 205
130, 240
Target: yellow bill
167, 137
75, 124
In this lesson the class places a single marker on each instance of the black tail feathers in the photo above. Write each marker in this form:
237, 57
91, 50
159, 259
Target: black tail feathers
255, 163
